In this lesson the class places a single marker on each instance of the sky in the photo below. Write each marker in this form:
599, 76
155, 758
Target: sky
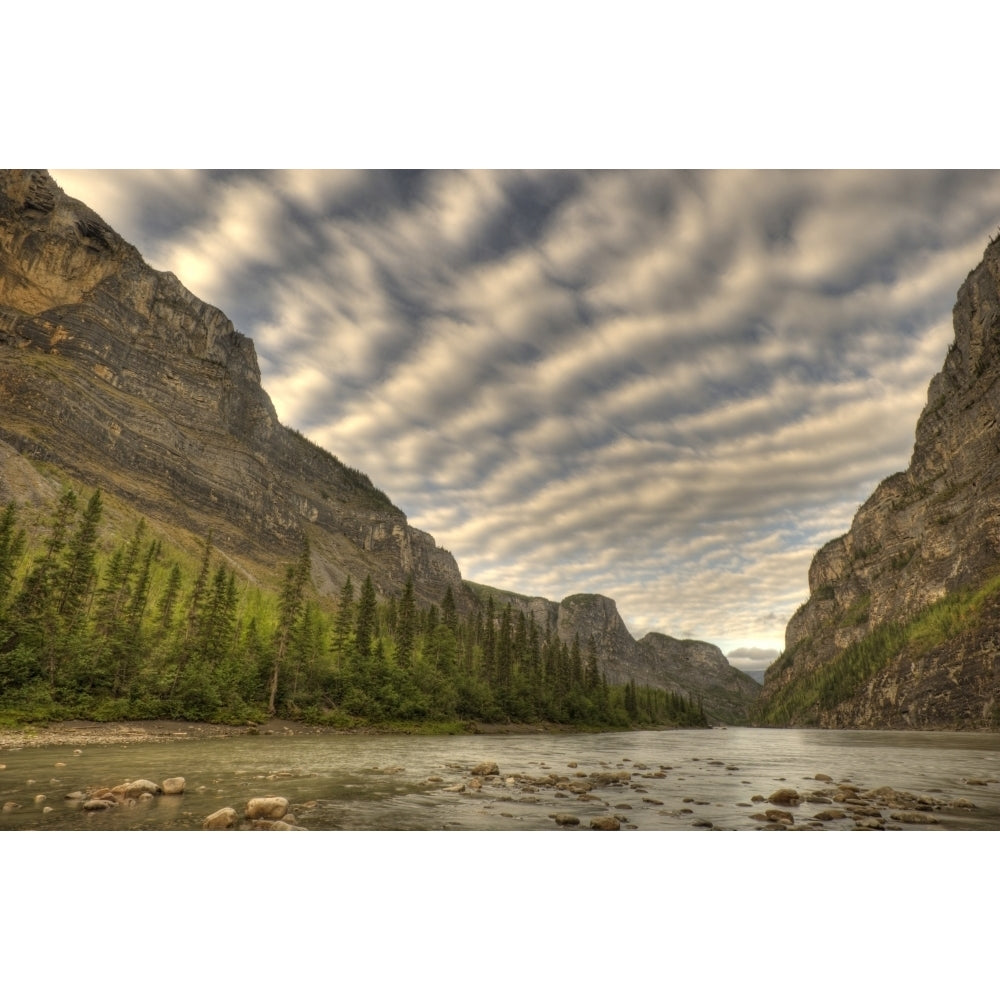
671, 389
668, 387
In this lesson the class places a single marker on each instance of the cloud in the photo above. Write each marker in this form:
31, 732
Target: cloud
752, 653
671, 387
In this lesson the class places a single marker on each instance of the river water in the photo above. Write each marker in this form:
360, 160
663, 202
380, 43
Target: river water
672, 780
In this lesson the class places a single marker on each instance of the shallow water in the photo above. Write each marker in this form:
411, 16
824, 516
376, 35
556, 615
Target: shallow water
680, 780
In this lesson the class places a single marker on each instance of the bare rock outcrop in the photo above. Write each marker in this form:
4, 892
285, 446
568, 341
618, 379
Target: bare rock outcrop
688, 667
117, 374
925, 533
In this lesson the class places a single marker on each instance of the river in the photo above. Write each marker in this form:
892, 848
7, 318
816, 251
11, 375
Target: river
717, 779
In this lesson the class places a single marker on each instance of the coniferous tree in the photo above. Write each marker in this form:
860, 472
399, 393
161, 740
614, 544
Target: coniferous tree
449, 615
344, 621
40, 628
593, 675
364, 629
168, 600
77, 572
406, 626
196, 601
505, 650
289, 608
12, 545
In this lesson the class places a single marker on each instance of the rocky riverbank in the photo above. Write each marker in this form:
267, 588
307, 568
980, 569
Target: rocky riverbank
80, 732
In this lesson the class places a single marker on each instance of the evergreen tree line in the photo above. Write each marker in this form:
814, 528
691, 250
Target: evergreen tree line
129, 633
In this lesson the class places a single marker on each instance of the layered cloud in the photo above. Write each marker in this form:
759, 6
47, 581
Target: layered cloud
668, 387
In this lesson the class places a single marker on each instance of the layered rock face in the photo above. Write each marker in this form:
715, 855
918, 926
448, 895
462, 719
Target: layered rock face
118, 375
924, 533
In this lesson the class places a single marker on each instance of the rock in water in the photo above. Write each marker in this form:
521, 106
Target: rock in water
485, 768
221, 819
269, 807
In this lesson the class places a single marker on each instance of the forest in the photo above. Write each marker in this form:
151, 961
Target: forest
106, 626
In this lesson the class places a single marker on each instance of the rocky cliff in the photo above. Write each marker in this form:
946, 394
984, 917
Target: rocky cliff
693, 669
903, 603
116, 374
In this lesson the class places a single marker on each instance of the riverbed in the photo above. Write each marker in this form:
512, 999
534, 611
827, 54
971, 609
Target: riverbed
676, 780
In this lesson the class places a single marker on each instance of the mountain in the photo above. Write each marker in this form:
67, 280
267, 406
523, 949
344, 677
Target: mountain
688, 667
115, 375
900, 628
119, 376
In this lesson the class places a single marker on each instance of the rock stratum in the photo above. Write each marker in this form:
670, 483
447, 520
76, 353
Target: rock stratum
114, 374
118, 375
901, 626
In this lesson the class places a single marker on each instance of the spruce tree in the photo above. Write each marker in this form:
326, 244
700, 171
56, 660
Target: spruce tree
289, 609
78, 570
344, 621
406, 626
12, 544
449, 615
364, 630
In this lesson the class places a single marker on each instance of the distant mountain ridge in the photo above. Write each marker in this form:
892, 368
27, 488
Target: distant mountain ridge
116, 375
901, 626
687, 667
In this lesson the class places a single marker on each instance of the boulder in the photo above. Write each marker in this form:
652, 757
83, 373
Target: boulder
267, 807
173, 786
784, 797
136, 788
95, 805
486, 767
566, 819
11, 806
605, 823
779, 816
829, 814
222, 819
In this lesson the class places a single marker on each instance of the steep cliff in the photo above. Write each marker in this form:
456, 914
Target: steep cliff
696, 670
900, 628
693, 669
118, 375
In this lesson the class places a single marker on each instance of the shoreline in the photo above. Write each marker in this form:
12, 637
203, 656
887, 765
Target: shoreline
87, 732
84, 732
